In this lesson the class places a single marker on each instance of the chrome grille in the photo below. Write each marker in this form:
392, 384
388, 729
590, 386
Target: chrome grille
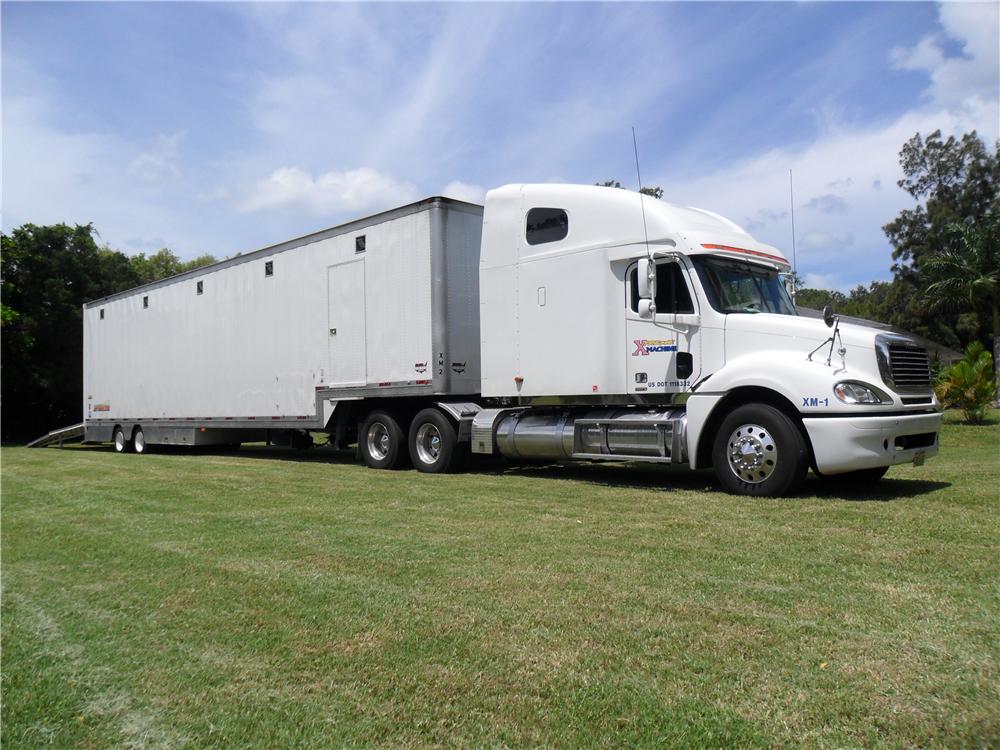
910, 367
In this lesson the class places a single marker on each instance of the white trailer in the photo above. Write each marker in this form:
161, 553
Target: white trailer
564, 323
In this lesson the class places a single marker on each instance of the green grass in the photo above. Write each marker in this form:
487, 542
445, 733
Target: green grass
253, 600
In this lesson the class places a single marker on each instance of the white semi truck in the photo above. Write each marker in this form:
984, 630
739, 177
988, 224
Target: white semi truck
558, 322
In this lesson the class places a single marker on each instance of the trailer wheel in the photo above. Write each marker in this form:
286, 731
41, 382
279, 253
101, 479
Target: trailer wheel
758, 450
434, 446
382, 442
139, 440
121, 444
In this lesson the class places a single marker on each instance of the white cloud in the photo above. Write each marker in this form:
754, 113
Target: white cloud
160, 161
329, 193
464, 191
828, 203
817, 281
955, 81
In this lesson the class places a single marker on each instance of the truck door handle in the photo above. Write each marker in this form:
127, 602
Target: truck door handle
333, 331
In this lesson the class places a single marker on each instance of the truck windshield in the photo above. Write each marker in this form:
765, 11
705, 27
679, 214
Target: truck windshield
737, 287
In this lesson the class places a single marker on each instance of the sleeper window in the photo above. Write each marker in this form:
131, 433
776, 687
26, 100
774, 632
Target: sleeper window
546, 225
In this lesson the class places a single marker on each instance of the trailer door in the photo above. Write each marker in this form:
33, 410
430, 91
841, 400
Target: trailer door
348, 358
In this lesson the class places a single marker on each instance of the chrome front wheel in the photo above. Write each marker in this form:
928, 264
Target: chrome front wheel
760, 450
753, 454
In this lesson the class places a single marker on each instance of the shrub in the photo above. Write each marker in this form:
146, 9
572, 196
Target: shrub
969, 384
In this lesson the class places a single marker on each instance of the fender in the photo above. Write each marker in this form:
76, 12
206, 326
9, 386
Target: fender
789, 379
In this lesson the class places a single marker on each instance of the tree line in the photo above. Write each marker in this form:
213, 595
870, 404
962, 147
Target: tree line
945, 286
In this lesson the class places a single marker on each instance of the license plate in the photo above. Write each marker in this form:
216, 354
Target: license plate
918, 458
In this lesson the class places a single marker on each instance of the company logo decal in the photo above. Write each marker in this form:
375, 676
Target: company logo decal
102, 407
645, 347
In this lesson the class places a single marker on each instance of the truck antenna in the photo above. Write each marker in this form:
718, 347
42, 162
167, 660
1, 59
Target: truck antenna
791, 205
645, 232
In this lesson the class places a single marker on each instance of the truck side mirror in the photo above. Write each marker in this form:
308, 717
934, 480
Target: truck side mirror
646, 309
645, 280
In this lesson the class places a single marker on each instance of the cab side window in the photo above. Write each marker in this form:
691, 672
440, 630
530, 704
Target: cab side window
672, 293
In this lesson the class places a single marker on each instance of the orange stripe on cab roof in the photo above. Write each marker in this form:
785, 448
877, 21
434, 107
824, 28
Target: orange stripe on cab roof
747, 252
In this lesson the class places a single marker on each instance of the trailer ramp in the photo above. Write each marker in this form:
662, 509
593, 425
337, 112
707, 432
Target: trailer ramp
60, 436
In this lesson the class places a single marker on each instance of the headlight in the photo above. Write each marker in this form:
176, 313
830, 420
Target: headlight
859, 393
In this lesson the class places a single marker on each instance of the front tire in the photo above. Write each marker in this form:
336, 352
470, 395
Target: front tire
434, 447
759, 451
382, 442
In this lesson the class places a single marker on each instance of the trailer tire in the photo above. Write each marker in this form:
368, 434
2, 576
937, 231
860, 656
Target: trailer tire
759, 451
434, 446
382, 442
120, 443
139, 440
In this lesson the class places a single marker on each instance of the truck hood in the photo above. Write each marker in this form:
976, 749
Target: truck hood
798, 331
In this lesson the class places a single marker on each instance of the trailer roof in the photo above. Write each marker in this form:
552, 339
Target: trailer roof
306, 239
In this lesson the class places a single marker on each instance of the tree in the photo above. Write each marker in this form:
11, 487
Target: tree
164, 263
48, 272
969, 384
655, 192
955, 181
966, 273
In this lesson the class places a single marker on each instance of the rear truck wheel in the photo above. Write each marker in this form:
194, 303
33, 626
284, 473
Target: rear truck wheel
139, 441
758, 450
434, 446
382, 441
861, 476
121, 444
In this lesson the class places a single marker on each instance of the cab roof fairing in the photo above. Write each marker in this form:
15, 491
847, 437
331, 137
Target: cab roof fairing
603, 217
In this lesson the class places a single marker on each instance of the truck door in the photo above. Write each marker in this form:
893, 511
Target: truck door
348, 356
662, 353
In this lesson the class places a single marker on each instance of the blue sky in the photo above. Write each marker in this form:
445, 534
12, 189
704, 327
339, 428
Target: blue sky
225, 127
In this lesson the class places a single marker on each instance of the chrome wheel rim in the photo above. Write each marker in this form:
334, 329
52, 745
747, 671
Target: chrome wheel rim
428, 443
139, 442
378, 441
120, 441
752, 453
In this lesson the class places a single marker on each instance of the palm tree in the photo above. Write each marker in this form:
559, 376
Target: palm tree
967, 273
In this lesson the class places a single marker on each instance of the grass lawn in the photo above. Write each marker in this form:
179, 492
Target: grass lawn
260, 599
